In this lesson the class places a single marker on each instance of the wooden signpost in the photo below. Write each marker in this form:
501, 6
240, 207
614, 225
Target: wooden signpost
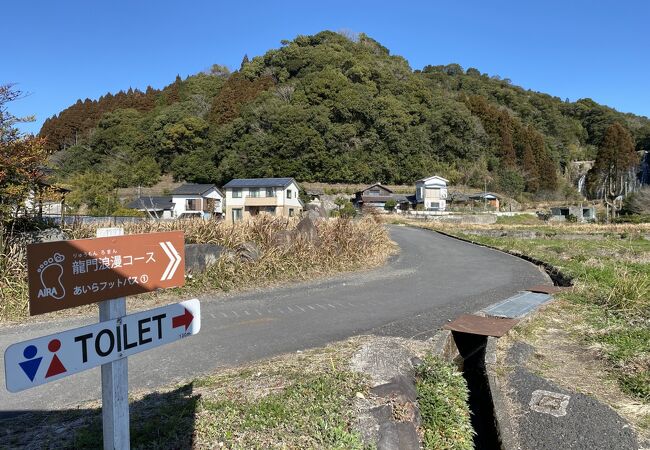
66, 274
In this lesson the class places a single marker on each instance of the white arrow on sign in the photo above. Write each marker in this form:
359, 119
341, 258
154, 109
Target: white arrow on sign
174, 260
49, 358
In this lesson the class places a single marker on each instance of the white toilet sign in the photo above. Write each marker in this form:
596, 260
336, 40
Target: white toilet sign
49, 358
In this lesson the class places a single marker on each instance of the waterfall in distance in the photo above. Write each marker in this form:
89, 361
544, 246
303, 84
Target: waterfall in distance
644, 173
637, 178
581, 184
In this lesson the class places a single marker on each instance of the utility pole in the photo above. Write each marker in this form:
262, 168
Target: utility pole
484, 194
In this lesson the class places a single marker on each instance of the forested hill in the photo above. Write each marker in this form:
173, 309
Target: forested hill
333, 108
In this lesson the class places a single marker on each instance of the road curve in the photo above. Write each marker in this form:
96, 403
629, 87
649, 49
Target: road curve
434, 278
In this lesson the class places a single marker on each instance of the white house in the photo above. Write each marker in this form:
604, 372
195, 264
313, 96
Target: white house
246, 197
431, 192
197, 200
45, 198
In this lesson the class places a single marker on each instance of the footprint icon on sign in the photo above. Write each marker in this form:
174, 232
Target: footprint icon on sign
51, 272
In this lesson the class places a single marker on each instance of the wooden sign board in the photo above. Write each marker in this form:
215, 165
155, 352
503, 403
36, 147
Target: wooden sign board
66, 274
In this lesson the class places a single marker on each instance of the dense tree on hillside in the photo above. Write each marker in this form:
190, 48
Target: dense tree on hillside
613, 172
244, 61
73, 125
331, 107
96, 191
236, 93
519, 147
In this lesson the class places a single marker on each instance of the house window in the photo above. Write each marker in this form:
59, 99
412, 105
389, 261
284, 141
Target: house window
236, 193
237, 214
374, 192
270, 192
290, 211
435, 205
254, 192
289, 194
192, 204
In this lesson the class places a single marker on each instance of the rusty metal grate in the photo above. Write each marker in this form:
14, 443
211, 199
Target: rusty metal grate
484, 326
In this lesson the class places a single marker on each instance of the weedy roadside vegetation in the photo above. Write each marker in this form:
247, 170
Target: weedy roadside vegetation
442, 398
342, 245
298, 400
611, 295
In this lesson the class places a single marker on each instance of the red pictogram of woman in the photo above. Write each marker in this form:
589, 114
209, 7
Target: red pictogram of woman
56, 366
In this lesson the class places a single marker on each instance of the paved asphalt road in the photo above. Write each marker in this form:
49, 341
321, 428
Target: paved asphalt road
586, 425
432, 280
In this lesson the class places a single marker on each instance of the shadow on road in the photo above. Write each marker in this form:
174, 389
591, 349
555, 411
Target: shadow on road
158, 420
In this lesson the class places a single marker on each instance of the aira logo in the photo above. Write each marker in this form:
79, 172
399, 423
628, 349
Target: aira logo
51, 271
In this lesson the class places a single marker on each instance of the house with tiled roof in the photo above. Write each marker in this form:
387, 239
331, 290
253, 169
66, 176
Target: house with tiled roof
376, 196
197, 200
247, 197
157, 207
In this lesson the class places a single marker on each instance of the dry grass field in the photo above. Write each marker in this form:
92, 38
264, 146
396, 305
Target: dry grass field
342, 245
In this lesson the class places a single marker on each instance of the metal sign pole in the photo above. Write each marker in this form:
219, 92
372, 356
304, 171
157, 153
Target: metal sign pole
115, 377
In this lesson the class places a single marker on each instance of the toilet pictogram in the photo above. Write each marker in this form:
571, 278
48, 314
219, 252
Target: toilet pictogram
32, 363
50, 358
56, 366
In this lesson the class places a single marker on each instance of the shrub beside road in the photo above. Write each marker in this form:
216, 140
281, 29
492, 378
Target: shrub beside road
341, 245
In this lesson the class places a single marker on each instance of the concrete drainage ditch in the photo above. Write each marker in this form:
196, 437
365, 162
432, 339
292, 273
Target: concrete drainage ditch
470, 343
389, 418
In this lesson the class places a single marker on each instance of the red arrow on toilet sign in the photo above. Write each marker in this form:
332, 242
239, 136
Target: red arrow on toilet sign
184, 319
49, 358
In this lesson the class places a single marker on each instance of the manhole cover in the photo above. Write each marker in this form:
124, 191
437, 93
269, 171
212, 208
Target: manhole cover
548, 402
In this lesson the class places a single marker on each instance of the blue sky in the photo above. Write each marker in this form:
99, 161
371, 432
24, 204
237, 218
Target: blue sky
59, 51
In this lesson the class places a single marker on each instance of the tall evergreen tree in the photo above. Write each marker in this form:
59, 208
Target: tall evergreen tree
529, 168
508, 155
244, 61
613, 169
